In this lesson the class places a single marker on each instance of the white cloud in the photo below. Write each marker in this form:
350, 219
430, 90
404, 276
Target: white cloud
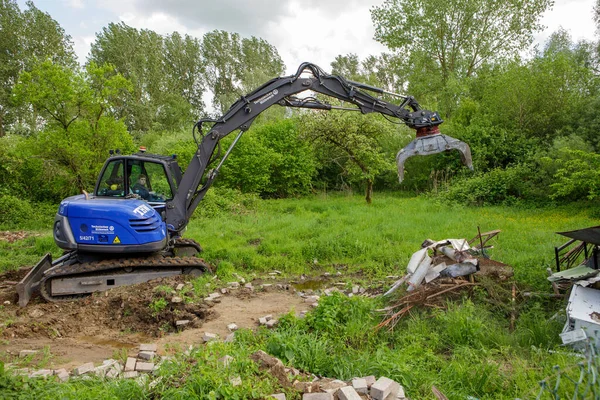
575, 16
74, 3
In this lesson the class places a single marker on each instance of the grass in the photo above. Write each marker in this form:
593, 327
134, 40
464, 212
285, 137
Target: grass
467, 350
324, 232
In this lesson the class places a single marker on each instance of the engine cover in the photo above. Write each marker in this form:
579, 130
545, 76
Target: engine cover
109, 226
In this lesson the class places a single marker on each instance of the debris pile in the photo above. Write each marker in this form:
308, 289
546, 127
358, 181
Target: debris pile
440, 269
314, 388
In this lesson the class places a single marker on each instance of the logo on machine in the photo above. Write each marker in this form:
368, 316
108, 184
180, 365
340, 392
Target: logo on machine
266, 96
142, 210
103, 230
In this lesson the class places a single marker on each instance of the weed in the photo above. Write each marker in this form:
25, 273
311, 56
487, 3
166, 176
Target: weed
158, 305
164, 290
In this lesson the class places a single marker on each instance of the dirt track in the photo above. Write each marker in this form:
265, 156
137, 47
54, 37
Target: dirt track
98, 327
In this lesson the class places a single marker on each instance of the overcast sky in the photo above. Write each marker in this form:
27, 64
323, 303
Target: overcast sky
301, 30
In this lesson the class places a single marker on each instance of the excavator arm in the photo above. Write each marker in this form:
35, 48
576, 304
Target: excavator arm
283, 91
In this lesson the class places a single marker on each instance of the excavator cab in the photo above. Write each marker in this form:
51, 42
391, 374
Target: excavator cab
148, 177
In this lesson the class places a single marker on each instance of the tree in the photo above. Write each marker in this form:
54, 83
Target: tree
460, 35
166, 73
26, 38
79, 129
544, 97
236, 65
441, 43
380, 71
352, 141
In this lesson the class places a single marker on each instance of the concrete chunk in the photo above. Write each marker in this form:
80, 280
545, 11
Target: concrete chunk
130, 374
130, 364
370, 380
84, 369
230, 338
383, 388
278, 396
42, 373
146, 355
271, 323
225, 361
27, 353
317, 396
348, 393
233, 285
209, 337
232, 327
176, 299
182, 322
144, 366
148, 347
235, 381
62, 374
360, 385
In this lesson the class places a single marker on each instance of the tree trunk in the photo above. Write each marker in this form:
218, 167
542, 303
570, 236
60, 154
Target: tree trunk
369, 191
1, 124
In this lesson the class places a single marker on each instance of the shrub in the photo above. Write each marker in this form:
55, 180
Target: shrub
13, 211
499, 186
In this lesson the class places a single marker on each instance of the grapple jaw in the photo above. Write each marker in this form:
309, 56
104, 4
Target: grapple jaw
432, 142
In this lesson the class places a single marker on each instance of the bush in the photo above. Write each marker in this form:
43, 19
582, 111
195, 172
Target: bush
499, 186
225, 201
13, 211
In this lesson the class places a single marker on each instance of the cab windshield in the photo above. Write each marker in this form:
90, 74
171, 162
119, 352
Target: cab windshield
135, 179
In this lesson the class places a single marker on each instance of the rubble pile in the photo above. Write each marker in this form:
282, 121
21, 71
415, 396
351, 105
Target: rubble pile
441, 269
315, 388
310, 386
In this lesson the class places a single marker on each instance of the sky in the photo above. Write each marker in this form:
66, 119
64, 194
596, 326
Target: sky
301, 30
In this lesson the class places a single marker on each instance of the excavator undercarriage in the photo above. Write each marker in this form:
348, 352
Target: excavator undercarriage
71, 276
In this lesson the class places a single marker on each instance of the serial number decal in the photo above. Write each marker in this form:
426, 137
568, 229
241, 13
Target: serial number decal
88, 237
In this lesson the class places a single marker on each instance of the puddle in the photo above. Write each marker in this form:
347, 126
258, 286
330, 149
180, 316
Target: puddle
107, 342
310, 284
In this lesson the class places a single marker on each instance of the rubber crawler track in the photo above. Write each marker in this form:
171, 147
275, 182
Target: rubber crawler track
98, 268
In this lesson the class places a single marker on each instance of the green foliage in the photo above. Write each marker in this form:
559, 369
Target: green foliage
222, 201
498, 186
79, 132
350, 145
271, 160
577, 175
158, 305
13, 211
236, 66
165, 73
26, 37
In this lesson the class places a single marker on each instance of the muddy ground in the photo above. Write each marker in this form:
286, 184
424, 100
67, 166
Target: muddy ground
106, 324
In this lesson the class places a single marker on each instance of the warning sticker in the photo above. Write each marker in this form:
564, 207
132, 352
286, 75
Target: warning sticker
116, 240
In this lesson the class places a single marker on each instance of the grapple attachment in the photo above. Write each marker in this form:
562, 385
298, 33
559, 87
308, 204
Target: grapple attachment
432, 142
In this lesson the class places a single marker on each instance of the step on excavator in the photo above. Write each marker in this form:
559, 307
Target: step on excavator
129, 230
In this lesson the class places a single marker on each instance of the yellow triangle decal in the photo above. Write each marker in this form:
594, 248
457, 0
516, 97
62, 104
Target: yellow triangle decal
116, 241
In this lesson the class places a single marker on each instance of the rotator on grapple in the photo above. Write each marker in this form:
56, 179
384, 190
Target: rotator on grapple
129, 230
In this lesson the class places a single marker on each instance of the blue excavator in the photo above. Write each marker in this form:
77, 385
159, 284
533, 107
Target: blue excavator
129, 230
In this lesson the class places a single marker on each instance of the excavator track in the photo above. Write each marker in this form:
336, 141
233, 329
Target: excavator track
77, 280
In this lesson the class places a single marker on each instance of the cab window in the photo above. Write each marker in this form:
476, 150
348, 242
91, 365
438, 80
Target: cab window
149, 181
112, 182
